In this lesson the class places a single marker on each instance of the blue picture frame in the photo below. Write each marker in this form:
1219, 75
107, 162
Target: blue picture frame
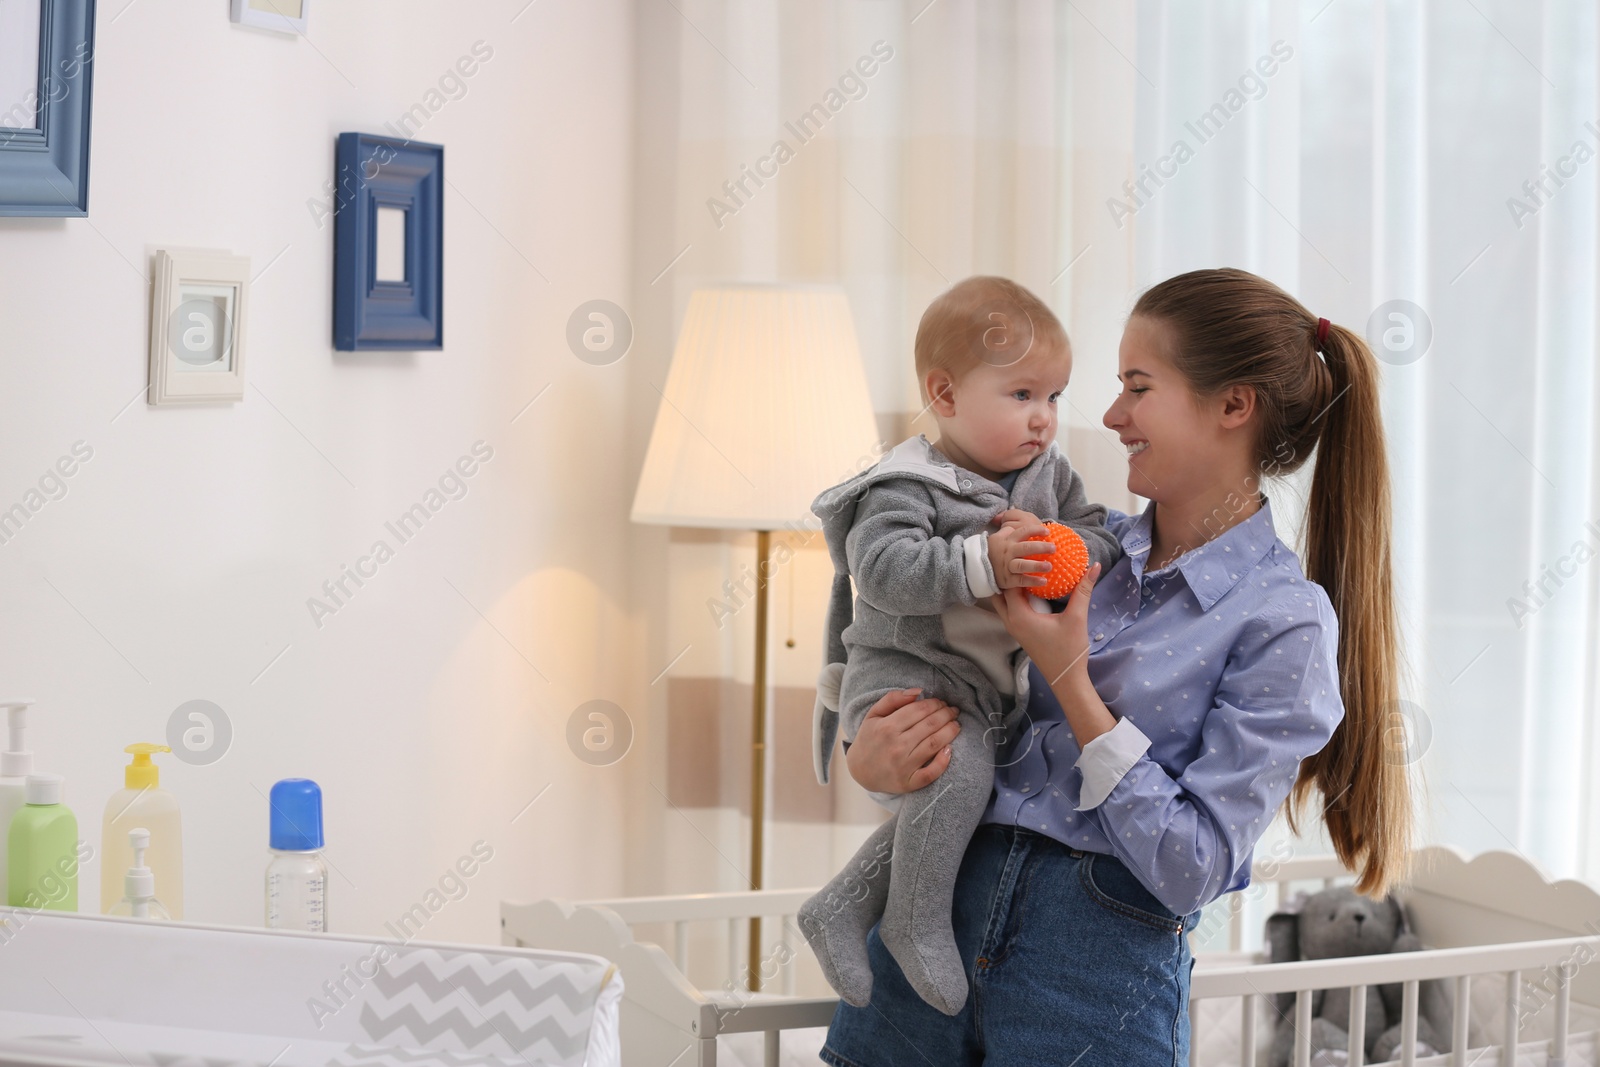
373, 172
44, 170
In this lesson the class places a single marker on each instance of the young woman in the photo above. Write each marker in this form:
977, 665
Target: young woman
1177, 703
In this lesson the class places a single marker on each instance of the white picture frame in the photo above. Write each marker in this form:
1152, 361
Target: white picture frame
276, 15
199, 306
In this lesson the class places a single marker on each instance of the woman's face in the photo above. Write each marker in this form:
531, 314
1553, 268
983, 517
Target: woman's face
1174, 449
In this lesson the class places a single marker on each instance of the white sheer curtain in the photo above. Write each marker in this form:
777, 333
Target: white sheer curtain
1357, 152
1383, 162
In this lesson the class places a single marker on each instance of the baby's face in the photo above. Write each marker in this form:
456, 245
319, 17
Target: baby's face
1004, 416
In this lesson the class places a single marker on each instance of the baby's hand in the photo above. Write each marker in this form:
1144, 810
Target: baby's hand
1010, 544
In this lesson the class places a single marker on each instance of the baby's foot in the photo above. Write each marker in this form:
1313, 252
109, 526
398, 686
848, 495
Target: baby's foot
927, 955
838, 918
836, 928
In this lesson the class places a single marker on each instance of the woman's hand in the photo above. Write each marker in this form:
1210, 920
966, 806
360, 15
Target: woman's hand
1058, 643
903, 743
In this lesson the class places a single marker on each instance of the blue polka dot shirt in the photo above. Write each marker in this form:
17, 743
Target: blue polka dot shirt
1222, 669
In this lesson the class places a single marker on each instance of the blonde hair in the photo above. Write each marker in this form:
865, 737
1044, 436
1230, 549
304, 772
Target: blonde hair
983, 319
1232, 327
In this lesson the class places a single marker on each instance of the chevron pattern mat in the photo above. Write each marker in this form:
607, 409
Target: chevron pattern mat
523, 1010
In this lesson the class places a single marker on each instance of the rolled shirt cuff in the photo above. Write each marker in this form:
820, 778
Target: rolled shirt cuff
980, 578
1106, 759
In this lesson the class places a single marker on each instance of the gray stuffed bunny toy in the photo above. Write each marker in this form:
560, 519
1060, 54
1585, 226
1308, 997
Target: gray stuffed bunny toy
1340, 922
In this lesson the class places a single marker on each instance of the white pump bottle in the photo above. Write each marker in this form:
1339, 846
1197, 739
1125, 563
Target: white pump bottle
16, 763
139, 884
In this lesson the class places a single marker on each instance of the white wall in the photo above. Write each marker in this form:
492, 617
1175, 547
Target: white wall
433, 706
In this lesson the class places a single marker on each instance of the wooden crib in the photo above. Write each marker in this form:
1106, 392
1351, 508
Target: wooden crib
1491, 923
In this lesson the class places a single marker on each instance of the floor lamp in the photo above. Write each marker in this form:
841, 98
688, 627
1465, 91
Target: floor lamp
765, 406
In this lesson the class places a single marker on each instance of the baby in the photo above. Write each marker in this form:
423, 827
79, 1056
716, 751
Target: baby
917, 534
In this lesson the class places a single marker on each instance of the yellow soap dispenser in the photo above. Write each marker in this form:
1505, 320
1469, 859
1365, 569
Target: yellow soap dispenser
142, 803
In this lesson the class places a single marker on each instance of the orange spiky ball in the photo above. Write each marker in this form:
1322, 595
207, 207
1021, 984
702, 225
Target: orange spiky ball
1067, 564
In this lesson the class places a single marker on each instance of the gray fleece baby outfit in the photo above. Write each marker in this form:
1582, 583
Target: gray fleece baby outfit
912, 532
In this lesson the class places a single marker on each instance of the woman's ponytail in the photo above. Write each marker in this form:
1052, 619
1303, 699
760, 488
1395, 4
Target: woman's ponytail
1363, 773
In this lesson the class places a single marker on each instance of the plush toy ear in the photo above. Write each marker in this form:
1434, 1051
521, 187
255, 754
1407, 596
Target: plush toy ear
1283, 946
1283, 937
1402, 919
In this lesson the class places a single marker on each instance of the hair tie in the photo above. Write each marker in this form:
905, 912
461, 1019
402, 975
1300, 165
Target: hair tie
1322, 331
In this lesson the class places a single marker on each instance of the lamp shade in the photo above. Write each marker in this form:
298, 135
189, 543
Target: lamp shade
765, 406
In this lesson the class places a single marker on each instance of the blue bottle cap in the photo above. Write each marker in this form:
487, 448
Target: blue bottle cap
296, 815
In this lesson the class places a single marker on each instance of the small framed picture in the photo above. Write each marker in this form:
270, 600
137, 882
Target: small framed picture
199, 300
283, 16
388, 244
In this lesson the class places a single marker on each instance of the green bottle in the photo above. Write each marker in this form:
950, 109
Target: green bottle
42, 849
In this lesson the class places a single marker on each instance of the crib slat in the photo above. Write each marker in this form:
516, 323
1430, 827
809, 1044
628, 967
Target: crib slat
1408, 1024
680, 954
733, 957
1235, 922
1508, 1054
1194, 1032
1357, 1049
770, 1054
790, 958
1458, 1021
1247, 1031
1302, 1028
1558, 1046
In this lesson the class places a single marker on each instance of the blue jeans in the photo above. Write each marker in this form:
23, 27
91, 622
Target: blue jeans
1070, 959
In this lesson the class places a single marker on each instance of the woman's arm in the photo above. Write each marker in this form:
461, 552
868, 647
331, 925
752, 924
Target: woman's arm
1277, 702
903, 743
1058, 644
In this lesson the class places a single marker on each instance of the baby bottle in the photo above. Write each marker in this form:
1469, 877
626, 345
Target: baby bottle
297, 876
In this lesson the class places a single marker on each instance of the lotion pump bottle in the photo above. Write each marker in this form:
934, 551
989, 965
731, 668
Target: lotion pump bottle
16, 763
142, 803
42, 850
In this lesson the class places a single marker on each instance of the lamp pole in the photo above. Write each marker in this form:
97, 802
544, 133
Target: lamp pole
773, 372
758, 751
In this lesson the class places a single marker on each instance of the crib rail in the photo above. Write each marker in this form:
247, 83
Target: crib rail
733, 908
1554, 960
737, 908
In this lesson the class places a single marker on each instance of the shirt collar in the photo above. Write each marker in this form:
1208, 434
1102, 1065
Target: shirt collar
1215, 567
